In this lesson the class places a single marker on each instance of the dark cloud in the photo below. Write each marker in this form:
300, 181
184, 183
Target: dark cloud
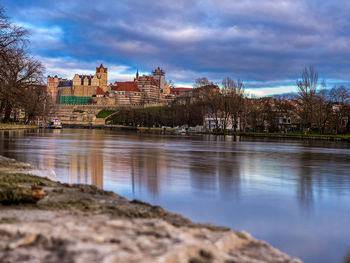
263, 42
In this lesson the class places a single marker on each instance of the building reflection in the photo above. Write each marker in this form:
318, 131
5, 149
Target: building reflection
203, 174
87, 169
141, 168
145, 167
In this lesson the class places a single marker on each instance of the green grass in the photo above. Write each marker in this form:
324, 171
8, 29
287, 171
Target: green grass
104, 113
80, 111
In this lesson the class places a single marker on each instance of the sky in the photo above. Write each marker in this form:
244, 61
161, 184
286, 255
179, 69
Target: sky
265, 43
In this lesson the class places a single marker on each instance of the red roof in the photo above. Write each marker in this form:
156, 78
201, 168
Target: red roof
153, 81
125, 86
178, 91
99, 91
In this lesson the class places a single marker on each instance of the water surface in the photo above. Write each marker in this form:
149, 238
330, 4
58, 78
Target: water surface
293, 194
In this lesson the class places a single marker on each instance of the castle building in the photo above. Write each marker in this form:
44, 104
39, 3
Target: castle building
93, 89
151, 90
52, 86
127, 93
81, 88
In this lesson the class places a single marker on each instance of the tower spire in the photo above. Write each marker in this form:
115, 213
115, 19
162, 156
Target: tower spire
137, 74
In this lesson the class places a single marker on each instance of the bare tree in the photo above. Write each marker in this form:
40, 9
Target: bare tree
200, 82
35, 102
307, 87
232, 102
322, 110
171, 84
340, 98
19, 73
212, 104
10, 34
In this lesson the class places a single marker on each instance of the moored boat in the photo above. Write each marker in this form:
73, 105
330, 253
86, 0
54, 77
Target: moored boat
55, 124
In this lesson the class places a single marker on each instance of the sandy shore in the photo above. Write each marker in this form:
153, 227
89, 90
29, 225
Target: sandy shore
46, 221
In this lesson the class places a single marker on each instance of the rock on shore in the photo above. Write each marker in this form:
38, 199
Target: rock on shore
80, 223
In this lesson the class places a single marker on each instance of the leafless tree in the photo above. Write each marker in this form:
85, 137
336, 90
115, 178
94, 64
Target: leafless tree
213, 105
307, 87
322, 110
171, 84
340, 98
19, 73
232, 102
10, 34
35, 102
200, 82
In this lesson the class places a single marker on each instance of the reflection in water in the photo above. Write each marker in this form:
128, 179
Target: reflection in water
87, 169
267, 187
305, 189
229, 174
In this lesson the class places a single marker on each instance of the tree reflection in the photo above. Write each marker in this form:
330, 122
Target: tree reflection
304, 184
229, 174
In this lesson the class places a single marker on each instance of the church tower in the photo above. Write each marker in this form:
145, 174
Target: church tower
137, 75
101, 73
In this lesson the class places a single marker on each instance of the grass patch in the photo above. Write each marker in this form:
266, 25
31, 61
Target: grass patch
104, 113
79, 111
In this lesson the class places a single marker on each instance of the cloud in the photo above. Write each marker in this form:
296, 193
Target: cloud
259, 41
67, 67
262, 92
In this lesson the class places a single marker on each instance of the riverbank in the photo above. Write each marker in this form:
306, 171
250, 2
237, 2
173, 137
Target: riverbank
8, 126
42, 220
312, 136
299, 136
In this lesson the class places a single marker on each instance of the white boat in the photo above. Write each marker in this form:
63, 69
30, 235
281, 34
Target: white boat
55, 124
181, 131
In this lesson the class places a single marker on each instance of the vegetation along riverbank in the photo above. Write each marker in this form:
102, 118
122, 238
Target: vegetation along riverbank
171, 130
43, 220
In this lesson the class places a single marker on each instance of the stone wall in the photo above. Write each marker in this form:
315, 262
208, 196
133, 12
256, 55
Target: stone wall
103, 101
128, 98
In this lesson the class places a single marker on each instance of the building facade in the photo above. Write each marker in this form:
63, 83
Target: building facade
93, 89
52, 84
83, 87
126, 93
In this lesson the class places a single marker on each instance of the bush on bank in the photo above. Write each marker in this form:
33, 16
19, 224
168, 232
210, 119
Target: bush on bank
104, 113
175, 115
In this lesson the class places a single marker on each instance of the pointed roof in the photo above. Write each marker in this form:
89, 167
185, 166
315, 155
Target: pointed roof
101, 67
99, 91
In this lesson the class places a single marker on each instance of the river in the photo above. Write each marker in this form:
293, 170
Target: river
294, 194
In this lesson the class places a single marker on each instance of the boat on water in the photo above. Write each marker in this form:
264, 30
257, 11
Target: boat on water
55, 124
181, 131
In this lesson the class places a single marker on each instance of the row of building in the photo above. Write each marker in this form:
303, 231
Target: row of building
94, 89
